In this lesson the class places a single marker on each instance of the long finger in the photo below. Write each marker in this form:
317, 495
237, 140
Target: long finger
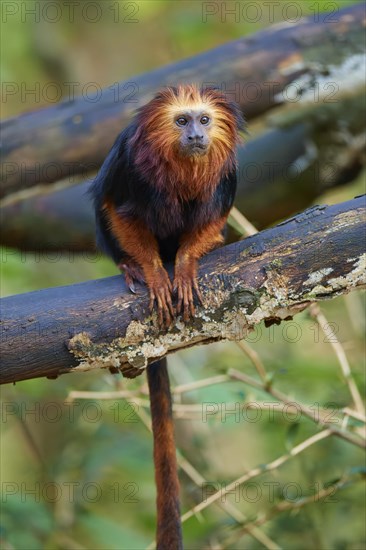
169, 302
197, 290
160, 311
186, 304
179, 298
191, 304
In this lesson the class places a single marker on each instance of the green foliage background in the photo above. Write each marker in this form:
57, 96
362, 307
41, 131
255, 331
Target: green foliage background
80, 475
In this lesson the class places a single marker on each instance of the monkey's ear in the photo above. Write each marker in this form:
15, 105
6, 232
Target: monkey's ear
235, 109
238, 115
229, 104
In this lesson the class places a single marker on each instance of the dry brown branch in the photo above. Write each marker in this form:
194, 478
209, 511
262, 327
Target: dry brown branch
286, 506
255, 359
246, 227
287, 405
267, 277
354, 414
187, 410
77, 134
102, 395
306, 411
255, 472
199, 480
320, 318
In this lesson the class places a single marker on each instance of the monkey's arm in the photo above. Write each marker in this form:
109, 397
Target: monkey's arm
139, 243
194, 245
205, 234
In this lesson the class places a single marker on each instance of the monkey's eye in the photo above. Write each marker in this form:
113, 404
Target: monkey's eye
205, 120
181, 121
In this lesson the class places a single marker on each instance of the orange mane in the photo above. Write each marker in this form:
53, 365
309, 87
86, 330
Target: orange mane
155, 142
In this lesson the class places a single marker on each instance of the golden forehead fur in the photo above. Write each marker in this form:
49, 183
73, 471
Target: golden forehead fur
188, 98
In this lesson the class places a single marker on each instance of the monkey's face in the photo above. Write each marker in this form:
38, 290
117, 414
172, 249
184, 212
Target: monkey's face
187, 123
193, 132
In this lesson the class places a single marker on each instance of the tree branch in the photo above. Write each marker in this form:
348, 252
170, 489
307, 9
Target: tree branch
74, 137
306, 155
267, 277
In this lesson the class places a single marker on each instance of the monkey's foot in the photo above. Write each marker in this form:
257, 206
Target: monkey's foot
160, 292
133, 272
185, 282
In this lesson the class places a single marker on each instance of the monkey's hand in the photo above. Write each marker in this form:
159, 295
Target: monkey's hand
133, 273
160, 289
159, 286
144, 260
193, 246
185, 282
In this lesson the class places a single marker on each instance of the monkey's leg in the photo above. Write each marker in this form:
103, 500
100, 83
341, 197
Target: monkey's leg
192, 246
140, 244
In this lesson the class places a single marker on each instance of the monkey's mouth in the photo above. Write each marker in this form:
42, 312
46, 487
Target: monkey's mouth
194, 150
198, 149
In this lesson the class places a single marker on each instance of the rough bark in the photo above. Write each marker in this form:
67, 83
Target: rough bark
267, 277
73, 137
304, 154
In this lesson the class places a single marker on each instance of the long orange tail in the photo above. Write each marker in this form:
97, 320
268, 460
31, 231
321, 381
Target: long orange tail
169, 529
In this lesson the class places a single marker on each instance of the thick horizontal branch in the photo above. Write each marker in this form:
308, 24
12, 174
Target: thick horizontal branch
306, 155
269, 276
74, 137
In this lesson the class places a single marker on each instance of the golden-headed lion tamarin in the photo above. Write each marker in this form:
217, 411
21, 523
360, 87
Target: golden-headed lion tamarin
163, 194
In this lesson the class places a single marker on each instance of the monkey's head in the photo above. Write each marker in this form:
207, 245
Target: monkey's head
185, 140
190, 123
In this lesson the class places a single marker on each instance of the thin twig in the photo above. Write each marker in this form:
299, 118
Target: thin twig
192, 410
354, 414
236, 514
255, 359
103, 395
199, 480
191, 386
306, 411
186, 410
246, 227
291, 505
255, 472
186, 466
320, 318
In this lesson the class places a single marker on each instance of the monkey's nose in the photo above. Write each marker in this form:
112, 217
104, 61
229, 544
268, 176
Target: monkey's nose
195, 138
